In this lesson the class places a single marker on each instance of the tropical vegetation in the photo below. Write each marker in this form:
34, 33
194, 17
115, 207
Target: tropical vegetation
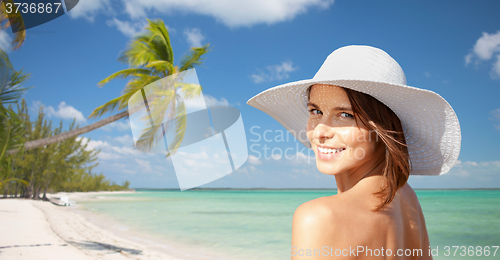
37, 157
150, 57
63, 166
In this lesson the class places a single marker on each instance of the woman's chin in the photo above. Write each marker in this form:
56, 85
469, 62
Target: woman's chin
327, 170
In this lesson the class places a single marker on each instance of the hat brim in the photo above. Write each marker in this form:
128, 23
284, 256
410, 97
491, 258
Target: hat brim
430, 125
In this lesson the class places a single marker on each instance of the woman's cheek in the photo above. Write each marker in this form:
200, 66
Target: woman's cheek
345, 135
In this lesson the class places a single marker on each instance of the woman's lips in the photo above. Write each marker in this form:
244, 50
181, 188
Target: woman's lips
329, 153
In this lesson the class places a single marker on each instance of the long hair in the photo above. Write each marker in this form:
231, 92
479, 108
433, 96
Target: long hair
380, 118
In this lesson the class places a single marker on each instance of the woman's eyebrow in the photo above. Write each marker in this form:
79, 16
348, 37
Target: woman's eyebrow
312, 105
337, 108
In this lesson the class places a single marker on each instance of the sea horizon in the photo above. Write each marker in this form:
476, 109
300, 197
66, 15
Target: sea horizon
177, 189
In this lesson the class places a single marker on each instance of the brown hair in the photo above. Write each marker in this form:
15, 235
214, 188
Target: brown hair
380, 118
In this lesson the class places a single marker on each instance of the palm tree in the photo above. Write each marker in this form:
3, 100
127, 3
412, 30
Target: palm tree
11, 89
150, 58
15, 21
11, 128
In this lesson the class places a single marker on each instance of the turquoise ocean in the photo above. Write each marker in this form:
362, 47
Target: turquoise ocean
257, 224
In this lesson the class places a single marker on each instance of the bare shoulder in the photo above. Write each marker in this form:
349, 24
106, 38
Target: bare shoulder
349, 219
322, 210
408, 192
318, 223
315, 212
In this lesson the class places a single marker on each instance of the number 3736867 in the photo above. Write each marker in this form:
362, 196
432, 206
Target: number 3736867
39, 8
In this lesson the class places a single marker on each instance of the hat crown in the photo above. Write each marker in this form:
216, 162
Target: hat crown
361, 63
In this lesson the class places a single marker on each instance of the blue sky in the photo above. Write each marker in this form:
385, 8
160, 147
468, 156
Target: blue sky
450, 47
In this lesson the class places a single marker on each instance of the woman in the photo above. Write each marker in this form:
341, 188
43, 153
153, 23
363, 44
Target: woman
370, 131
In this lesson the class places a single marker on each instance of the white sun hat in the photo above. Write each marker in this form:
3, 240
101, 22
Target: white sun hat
430, 125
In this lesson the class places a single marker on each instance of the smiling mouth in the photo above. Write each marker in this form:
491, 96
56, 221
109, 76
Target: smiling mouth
330, 151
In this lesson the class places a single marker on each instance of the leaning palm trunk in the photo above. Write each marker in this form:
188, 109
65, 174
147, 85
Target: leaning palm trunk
70, 134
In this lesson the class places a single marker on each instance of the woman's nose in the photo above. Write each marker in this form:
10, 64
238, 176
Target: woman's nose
323, 131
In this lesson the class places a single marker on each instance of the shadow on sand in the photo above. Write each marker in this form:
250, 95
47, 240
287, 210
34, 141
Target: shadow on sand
92, 245
2, 247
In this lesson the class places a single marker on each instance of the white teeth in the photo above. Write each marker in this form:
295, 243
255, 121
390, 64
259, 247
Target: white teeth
328, 150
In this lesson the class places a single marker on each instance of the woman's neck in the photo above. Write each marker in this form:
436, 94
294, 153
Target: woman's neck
346, 180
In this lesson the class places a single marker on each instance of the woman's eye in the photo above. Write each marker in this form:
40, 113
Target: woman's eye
314, 111
346, 115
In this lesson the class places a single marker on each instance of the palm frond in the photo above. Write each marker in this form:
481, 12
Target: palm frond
159, 33
121, 102
128, 54
180, 129
138, 54
194, 57
19, 39
191, 90
138, 83
14, 179
14, 20
160, 66
123, 74
107, 107
11, 130
11, 81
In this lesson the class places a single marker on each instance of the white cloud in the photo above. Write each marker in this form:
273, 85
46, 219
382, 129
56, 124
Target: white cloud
230, 13
469, 163
88, 9
121, 125
212, 101
194, 37
472, 164
125, 168
94, 145
125, 140
144, 164
246, 170
130, 29
496, 118
302, 158
487, 45
254, 160
204, 101
486, 48
496, 114
134, 9
126, 150
465, 174
5, 41
195, 163
64, 111
117, 161
274, 72
196, 156
109, 151
496, 67
306, 172
233, 14
276, 156
108, 156
105, 147
478, 169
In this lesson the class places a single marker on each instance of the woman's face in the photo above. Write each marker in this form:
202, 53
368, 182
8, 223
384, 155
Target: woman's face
341, 145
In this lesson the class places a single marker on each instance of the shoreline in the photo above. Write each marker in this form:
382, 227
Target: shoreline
39, 229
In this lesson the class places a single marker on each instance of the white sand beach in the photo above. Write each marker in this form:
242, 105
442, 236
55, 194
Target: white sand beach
32, 229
